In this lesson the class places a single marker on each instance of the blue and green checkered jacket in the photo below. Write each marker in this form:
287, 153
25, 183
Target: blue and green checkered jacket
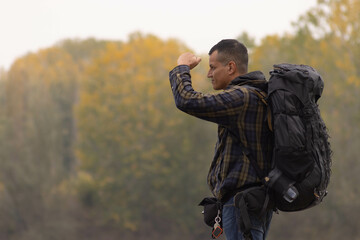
241, 118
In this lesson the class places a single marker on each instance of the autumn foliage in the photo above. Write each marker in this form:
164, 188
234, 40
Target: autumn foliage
93, 147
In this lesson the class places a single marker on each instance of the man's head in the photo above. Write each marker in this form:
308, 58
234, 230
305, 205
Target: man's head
228, 59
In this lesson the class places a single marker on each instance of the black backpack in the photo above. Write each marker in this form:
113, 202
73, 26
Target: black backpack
302, 154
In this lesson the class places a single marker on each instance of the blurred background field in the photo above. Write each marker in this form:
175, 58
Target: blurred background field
92, 146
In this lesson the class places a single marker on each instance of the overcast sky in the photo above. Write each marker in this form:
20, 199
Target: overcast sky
29, 25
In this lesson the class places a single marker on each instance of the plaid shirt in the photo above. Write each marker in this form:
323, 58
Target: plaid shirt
241, 118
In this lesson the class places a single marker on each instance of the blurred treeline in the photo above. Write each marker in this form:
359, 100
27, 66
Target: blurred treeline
92, 146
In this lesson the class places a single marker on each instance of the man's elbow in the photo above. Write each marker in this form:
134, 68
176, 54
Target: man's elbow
181, 105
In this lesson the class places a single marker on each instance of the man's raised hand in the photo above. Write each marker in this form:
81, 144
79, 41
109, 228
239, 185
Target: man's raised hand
188, 59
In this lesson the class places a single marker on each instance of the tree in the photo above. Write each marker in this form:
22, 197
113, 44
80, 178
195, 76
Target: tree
38, 151
132, 141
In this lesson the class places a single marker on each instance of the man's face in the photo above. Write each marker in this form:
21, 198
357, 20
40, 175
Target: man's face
218, 72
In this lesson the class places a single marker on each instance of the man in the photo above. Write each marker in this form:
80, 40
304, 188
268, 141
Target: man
241, 118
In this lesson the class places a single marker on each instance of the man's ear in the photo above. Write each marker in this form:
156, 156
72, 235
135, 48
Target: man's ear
232, 69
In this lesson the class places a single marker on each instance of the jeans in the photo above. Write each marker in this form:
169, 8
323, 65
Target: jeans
231, 228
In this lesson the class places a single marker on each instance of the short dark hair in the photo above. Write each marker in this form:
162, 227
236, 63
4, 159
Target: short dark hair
232, 50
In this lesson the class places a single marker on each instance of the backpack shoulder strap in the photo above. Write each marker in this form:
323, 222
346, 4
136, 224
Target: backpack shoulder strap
263, 97
248, 154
